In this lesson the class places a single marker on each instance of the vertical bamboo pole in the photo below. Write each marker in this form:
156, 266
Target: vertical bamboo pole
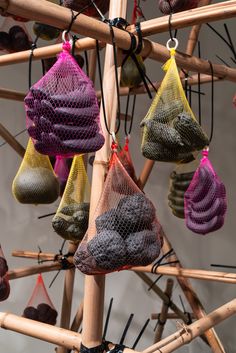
164, 311
67, 297
95, 285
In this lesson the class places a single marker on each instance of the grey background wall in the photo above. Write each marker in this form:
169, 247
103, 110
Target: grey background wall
20, 228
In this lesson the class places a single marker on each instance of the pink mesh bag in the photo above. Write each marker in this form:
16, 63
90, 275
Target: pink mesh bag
205, 199
62, 110
40, 307
4, 282
124, 230
177, 5
62, 171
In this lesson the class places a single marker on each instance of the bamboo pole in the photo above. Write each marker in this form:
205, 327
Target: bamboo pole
67, 297
60, 17
164, 311
162, 295
33, 270
33, 255
45, 332
145, 173
10, 139
188, 333
77, 319
13, 95
171, 316
95, 285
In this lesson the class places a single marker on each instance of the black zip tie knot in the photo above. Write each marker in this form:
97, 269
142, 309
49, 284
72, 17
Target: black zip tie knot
161, 323
39, 260
140, 38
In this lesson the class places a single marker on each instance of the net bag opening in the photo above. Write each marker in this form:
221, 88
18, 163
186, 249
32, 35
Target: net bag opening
205, 200
40, 307
71, 219
170, 131
62, 113
124, 230
35, 181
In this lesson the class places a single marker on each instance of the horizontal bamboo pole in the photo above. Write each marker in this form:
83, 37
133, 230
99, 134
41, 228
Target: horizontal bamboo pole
33, 255
171, 316
45, 332
199, 15
33, 270
188, 333
190, 273
11, 140
60, 17
13, 95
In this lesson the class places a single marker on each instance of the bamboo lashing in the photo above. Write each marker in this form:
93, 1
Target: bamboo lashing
164, 311
60, 17
11, 140
171, 316
33, 270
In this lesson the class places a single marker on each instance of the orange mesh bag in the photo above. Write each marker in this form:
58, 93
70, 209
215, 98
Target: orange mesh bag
40, 307
171, 132
124, 230
35, 181
4, 282
71, 219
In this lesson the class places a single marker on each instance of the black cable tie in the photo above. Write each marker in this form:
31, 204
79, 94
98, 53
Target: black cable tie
126, 328
189, 322
140, 38
161, 323
40, 251
212, 100
140, 334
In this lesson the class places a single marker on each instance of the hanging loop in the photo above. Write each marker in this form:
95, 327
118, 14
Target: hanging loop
175, 40
66, 37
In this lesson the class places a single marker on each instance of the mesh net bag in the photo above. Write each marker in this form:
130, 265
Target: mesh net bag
124, 230
78, 5
180, 180
62, 171
71, 219
4, 282
170, 130
35, 181
40, 307
14, 36
130, 76
62, 110
205, 200
177, 5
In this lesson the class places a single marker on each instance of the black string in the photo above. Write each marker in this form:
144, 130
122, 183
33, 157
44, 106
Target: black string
155, 282
230, 40
128, 132
140, 334
199, 88
223, 61
225, 266
107, 319
86, 62
126, 329
19, 133
212, 101
190, 95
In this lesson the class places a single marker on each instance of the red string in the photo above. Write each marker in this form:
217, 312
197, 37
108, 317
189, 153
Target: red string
134, 13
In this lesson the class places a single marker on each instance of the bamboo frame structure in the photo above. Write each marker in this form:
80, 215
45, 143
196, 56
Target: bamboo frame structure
164, 312
10, 139
171, 316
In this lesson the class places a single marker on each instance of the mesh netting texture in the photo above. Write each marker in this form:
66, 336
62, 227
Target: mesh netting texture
178, 185
71, 219
205, 200
4, 282
35, 181
76, 5
130, 75
170, 130
62, 110
177, 5
124, 230
40, 307
61, 169
14, 36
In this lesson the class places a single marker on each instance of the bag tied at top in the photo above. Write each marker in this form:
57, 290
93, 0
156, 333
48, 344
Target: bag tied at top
205, 199
170, 130
124, 230
62, 110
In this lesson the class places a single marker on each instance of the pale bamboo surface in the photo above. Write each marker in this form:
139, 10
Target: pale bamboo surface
33, 270
45, 332
170, 316
78, 318
33, 255
188, 333
11, 94
164, 311
95, 285
67, 297
11, 140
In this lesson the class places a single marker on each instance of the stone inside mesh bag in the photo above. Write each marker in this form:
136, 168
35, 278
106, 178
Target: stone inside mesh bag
125, 231
170, 131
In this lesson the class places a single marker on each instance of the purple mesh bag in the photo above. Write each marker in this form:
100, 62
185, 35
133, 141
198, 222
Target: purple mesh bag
62, 113
205, 199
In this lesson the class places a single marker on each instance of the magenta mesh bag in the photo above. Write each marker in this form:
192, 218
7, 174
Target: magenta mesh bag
177, 5
4, 282
62, 110
205, 200
40, 307
62, 171
124, 230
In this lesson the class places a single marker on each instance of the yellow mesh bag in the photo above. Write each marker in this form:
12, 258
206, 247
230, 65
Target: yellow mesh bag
35, 181
71, 219
170, 130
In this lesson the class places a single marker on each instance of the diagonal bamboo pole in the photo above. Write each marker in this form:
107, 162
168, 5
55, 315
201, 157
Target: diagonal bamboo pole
11, 140
78, 318
164, 311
